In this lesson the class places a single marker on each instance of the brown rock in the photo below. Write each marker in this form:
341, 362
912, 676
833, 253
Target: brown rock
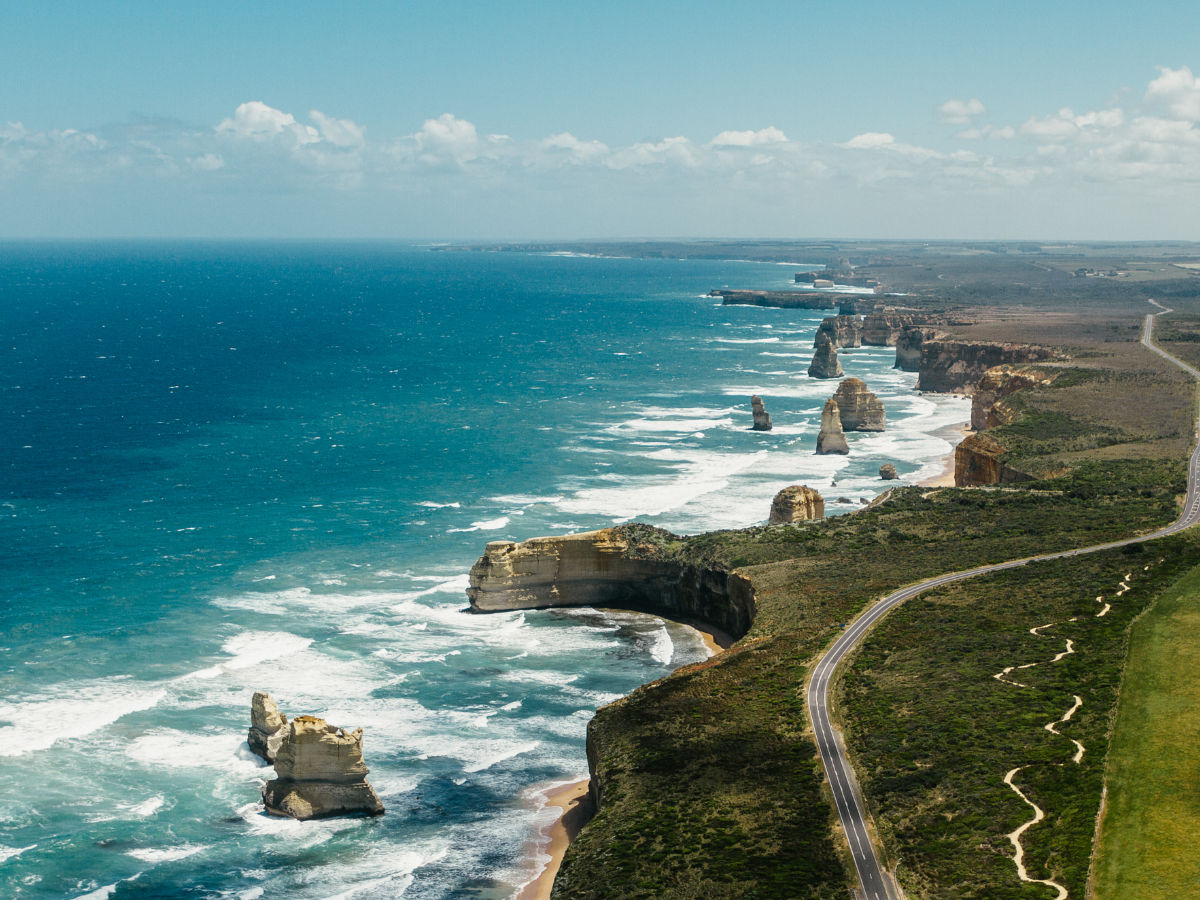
267, 726
831, 439
320, 773
796, 503
860, 410
842, 331
979, 459
987, 405
908, 347
825, 362
957, 366
888, 472
762, 419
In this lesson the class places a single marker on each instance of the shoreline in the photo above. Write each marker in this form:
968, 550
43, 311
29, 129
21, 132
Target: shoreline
552, 840
954, 434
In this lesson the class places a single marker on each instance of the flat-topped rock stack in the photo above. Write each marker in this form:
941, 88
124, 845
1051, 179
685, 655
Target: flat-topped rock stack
796, 503
842, 331
762, 418
825, 362
831, 439
319, 768
858, 407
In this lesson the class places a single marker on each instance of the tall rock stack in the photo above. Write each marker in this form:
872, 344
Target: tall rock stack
796, 503
831, 439
860, 409
267, 726
320, 773
843, 331
762, 419
825, 362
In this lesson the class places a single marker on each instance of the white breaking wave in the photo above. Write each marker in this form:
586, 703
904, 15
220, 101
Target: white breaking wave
157, 855
486, 525
74, 710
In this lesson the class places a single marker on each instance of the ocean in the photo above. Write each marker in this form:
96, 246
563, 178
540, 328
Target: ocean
231, 467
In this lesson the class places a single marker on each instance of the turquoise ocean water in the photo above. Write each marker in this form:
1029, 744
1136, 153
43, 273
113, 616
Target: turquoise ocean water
236, 467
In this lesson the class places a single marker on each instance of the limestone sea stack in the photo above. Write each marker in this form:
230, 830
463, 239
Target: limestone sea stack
831, 439
267, 726
860, 410
888, 472
762, 419
843, 331
320, 773
825, 362
796, 503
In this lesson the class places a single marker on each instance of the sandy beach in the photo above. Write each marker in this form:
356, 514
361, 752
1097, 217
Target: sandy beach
954, 434
576, 808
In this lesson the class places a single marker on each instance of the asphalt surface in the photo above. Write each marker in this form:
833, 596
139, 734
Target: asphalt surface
875, 881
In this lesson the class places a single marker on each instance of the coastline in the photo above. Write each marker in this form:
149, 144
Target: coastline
954, 434
552, 840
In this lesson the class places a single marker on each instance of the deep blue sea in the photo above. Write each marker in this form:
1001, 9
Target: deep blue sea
235, 467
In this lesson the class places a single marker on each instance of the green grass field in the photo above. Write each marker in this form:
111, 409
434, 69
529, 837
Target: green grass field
1150, 833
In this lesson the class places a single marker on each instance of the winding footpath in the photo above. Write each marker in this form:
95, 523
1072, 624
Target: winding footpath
876, 882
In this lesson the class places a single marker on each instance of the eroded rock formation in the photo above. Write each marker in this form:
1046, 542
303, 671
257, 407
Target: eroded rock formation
888, 472
762, 419
978, 459
796, 503
610, 567
988, 408
320, 772
953, 366
831, 439
825, 362
267, 726
858, 407
842, 331
781, 299
908, 346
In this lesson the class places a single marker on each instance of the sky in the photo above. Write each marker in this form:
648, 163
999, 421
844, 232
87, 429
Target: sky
537, 121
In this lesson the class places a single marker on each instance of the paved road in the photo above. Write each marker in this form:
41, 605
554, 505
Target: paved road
876, 882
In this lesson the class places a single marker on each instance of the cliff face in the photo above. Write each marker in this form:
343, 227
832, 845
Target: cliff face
951, 366
988, 408
977, 460
604, 568
825, 363
859, 409
796, 503
908, 347
842, 331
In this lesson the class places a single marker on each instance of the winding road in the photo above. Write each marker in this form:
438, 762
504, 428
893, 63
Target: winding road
876, 882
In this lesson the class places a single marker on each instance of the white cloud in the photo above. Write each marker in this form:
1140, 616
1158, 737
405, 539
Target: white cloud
870, 140
1005, 133
339, 132
768, 135
566, 146
256, 121
1179, 90
959, 112
669, 151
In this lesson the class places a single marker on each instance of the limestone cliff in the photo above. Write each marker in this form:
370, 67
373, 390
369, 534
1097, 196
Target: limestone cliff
953, 366
762, 418
796, 503
825, 363
979, 460
908, 346
268, 726
831, 439
988, 408
858, 407
607, 568
842, 331
320, 773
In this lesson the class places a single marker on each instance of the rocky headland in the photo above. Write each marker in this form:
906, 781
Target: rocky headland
909, 342
988, 406
796, 503
779, 299
979, 459
613, 567
858, 407
954, 366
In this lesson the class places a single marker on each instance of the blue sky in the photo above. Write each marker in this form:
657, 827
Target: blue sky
570, 120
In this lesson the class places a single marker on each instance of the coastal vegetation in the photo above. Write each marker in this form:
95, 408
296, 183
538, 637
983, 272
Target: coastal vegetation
709, 779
